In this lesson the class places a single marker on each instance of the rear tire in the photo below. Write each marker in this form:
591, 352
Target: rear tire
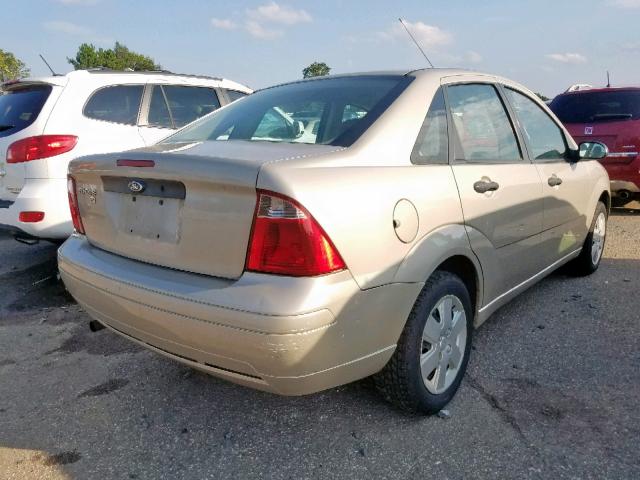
593, 248
432, 353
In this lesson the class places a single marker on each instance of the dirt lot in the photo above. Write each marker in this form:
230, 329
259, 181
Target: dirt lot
552, 392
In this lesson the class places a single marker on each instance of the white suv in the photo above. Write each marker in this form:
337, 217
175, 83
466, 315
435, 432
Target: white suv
46, 122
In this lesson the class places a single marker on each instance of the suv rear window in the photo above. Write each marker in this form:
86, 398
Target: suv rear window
593, 107
329, 111
118, 104
19, 107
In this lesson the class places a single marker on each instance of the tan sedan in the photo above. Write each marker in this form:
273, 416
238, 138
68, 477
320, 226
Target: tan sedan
321, 231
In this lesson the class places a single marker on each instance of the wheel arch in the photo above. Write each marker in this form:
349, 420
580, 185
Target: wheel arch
465, 269
445, 249
605, 197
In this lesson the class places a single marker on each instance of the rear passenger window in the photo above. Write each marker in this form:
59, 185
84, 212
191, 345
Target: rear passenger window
544, 137
432, 146
483, 130
118, 104
187, 104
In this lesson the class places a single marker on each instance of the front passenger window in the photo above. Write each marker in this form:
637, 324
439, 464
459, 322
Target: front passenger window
544, 137
484, 131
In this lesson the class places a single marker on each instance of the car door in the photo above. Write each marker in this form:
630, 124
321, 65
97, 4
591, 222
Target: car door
499, 188
169, 107
563, 181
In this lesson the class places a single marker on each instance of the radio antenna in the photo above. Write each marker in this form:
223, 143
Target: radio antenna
48, 66
416, 42
608, 80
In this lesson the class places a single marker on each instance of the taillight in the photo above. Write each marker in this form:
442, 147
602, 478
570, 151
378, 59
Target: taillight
73, 205
287, 240
42, 146
31, 217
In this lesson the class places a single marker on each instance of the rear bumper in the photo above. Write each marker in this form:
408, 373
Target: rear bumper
287, 335
39, 195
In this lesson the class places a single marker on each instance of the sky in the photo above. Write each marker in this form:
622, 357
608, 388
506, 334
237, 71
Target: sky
545, 45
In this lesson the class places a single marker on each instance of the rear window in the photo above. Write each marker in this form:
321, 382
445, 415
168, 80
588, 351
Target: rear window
593, 107
117, 104
329, 111
19, 107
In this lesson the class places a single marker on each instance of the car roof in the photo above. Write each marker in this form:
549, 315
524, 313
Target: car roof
601, 89
424, 72
158, 75
437, 72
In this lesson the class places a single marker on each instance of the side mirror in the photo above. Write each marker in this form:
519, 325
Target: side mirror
592, 151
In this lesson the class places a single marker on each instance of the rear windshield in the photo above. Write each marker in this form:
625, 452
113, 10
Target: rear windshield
331, 111
593, 107
19, 107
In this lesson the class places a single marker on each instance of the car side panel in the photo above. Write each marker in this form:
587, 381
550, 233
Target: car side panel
355, 206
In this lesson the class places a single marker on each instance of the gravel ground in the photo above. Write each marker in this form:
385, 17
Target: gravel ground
551, 392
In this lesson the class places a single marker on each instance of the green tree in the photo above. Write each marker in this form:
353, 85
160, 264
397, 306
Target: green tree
11, 68
542, 97
316, 69
117, 58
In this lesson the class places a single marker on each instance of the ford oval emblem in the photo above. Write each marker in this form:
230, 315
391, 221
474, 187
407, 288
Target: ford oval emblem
136, 186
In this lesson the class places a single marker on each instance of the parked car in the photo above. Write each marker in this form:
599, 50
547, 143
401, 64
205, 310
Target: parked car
45, 122
294, 264
611, 116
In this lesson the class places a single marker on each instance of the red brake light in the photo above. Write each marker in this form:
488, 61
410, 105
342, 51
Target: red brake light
31, 217
73, 205
287, 240
42, 146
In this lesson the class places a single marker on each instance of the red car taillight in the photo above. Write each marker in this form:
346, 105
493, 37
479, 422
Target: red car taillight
42, 146
286, 240
73, 205
31, 217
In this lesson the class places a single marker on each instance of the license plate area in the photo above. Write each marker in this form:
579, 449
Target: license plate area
151, 218
149, 208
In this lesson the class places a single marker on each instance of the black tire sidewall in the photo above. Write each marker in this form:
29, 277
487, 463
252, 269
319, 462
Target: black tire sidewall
448, 284
600, 208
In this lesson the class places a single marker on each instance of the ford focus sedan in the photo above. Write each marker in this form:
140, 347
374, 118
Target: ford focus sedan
326, 230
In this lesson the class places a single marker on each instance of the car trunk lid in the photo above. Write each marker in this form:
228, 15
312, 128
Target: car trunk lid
190, 208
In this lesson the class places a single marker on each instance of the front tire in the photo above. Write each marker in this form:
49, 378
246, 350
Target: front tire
432, 353
593, 248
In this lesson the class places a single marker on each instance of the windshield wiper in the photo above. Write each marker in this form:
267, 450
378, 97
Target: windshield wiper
611, 116
6, 127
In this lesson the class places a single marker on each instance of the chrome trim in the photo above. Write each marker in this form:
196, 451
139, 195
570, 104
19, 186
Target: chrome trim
622, 154
532, 279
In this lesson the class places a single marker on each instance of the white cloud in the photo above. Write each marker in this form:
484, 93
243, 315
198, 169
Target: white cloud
629, 4
274, 13
426, 35
223, 23
255, 29
66, 27
572, 58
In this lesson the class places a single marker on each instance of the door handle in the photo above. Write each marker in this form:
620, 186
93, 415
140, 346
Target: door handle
483, 186
554, 180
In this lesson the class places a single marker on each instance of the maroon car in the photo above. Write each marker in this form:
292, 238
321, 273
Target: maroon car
612, 116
